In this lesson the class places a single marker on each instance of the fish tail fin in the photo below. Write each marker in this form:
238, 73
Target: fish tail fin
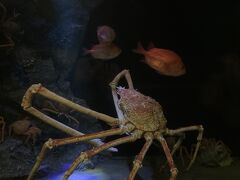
151, 45
139, 49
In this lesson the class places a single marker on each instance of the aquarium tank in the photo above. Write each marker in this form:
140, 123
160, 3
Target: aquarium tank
119, 89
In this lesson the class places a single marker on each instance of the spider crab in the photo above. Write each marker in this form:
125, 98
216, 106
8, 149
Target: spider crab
139, 116
26, 128
59, 110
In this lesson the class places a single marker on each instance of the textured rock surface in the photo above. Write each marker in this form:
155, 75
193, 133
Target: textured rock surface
17, 158
45, 53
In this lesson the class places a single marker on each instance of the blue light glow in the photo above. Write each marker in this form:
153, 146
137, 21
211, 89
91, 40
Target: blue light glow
67, 29
92, 174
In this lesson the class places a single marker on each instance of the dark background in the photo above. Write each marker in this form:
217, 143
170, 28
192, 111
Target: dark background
204, 33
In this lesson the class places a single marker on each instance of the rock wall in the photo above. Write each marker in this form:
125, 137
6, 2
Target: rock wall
45, 52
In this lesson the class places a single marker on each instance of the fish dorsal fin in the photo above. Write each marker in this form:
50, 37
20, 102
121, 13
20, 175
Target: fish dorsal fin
151, 45
139, 49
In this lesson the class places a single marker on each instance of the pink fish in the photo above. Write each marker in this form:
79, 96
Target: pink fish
104, 51
105, 34
164, 61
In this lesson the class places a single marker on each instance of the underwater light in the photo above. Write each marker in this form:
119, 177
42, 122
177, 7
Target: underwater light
91, 174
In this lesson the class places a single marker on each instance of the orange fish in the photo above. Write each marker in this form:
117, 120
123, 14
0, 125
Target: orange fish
104, 51
105, 34
164, 61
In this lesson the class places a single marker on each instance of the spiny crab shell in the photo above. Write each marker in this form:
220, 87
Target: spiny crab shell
143, 111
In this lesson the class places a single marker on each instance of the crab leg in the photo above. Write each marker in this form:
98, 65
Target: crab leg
176, 147
138, 161
69, 117
127, 75
171, 164
56, 124
70, 140
178, 143
113, 86
86, 155
187, 154
39, 89
55, 111
28, 137
49, 110
199, 138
